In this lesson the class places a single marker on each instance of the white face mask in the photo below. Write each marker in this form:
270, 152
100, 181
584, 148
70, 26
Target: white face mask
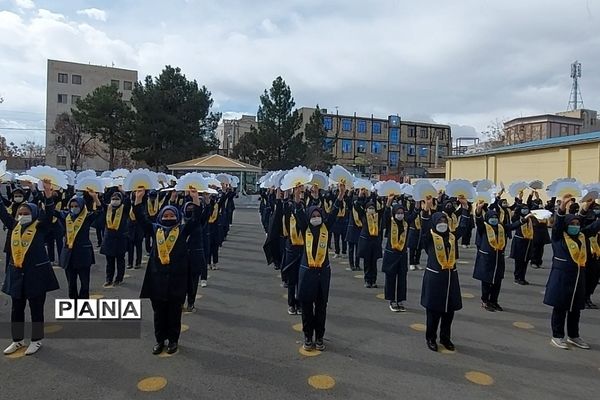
370, 211
316, 221
24, 219
18, 199
441, 227
115, 203
399, 217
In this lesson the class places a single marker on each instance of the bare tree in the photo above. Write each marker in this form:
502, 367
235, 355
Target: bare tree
71, 138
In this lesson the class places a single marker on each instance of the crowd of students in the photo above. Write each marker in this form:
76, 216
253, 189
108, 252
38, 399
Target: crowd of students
303, 225
183, 231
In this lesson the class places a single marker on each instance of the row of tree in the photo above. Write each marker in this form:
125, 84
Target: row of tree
278, 142
168, 120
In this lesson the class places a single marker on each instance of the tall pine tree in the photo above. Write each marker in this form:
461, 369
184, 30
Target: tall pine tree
277, 143
173, 120
318, 155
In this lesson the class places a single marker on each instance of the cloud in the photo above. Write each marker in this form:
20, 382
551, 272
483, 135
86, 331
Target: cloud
25, 4
94, 13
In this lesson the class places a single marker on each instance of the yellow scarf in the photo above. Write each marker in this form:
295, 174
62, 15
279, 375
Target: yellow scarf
131, 214
357, 221
153, 207
527, 230
297, 239
418, 222
328, 206
214, 214
116, 222
452, 221
321, 247
595, 246
373, 222
342, 211
285, 230
74, 225
446, 260
398, 241
578, 254
165, 246
21, 241
497, 243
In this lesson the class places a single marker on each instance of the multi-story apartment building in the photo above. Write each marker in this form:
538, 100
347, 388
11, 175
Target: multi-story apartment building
229, 132
384, 146
66, 83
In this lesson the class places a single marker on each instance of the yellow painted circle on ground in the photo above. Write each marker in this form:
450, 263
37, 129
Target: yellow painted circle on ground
444, 350
96, 296
17, 354
381, 296
297, 327
344, 262
523, 325
184, 327
312, 353
285, 296
53, 328
418, 327
152, 384
466, 295
479, 378
321, 382
164, 354
126, 276
359, 276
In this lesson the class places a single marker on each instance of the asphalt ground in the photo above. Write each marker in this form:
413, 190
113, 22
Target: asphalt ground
241, 343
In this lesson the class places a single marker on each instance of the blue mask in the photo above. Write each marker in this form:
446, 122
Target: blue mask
493, 221
75, 211
524, 211
573, 230
597, 211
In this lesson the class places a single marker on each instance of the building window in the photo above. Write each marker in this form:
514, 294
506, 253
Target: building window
63, 78
361, 146
76, 79
423, 134
115, 83
127, 85
394, 135
346, 124
376, 127
61, 160
328, 123
423, 152
393, 159
361, 126
376, 148
346, 146
412, 131
328, 144
62, 98
410, 150
74, 99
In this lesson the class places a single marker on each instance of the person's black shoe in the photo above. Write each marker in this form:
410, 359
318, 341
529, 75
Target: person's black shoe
374, 285
308, 344
118, 283
432, 345
172, 348
448, 344
292, 310
488, 306
319, 345
158, 348
497, 307
137, 266
368, 285
524, 282
129, 267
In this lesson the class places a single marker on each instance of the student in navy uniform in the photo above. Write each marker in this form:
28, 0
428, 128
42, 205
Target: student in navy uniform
197, 267
135, 241
466, 222
353, 233
339, 229
154, 203
521, 249
369, 242
77, 255
57, 230
114, 244
565, 289
166, 279
440, 294
414, 236
489, 262
395, 256
315, 271
17, 197
215, 228
592, 268
29, 275
294, 248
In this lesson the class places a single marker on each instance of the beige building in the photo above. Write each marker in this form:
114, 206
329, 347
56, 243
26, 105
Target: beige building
66, 83
385, 146
229, 132
575, 156
539, 127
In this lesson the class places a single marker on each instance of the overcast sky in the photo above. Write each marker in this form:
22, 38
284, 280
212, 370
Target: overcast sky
465, 63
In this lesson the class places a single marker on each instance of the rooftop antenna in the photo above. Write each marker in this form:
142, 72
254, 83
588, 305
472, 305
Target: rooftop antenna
575, 100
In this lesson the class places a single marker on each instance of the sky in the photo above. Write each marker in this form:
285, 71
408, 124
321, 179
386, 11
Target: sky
466, 63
